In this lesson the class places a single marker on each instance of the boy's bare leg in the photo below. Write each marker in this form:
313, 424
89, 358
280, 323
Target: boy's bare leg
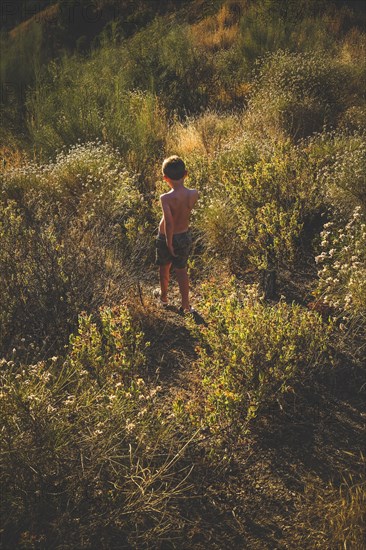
164, 272
182, 278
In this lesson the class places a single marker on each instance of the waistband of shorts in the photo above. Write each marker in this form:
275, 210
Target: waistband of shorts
162, 235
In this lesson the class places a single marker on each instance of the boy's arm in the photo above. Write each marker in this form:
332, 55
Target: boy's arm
168, 222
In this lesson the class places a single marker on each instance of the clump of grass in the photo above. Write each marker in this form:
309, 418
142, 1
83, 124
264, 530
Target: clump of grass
346, 515
217, 31
207, 134
335, 515
86, 458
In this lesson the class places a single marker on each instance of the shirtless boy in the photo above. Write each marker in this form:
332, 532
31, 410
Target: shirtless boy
174, 241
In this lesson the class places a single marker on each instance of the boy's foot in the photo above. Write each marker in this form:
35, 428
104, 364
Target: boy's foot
157, 294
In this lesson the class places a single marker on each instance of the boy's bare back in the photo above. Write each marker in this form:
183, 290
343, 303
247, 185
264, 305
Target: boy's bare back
177, 205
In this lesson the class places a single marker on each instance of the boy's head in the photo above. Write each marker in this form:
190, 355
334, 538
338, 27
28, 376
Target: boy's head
174, 168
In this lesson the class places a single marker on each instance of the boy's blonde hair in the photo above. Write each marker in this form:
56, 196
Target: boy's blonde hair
174, 168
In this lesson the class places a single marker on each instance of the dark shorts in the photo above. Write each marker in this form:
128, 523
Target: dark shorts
182, 244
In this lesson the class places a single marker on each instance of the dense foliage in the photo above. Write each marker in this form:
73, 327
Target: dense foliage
251, 353
265, 102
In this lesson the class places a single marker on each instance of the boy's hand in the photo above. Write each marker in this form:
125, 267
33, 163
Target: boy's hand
171, 250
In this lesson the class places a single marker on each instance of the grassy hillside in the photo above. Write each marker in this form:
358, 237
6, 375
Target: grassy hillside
129, 426
50, 32
173, 42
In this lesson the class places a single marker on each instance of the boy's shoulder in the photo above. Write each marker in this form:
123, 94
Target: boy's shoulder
191, 191
194, 193
171, 195
165, 196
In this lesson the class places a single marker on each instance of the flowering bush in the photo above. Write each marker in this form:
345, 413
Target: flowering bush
342, 174
342, 266
72, 232
297, 94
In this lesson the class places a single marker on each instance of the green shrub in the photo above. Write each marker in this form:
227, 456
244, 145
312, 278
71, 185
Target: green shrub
32, 281
271, 201
163, 60
70, 104
251, 353
302, 25
22, 56
261, 32
256, 202
117, 344
265, 28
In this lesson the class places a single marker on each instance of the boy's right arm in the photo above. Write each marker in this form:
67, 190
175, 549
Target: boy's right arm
168, 223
